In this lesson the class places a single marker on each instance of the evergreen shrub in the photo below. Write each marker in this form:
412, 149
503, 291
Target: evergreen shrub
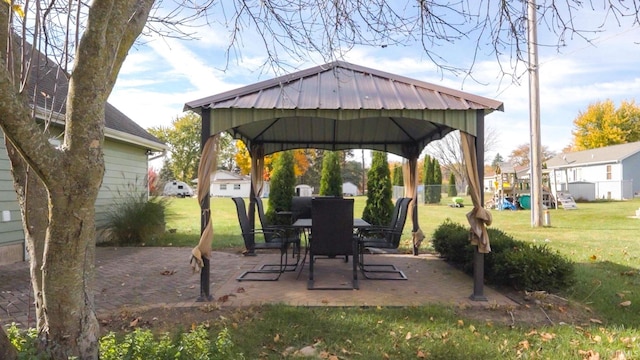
512, 262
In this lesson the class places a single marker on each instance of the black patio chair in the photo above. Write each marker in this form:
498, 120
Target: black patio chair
275, 239
384, 240
276, 230
332, 235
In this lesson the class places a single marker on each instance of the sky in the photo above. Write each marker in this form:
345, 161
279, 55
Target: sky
161, 75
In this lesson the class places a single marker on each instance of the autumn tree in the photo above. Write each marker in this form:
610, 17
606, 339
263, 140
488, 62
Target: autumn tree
603, 125
183, 140
379, 207
242, 158
520, 155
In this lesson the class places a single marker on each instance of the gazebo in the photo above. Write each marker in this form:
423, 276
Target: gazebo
339, 106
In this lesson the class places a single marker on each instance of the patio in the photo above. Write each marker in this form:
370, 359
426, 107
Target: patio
131, 278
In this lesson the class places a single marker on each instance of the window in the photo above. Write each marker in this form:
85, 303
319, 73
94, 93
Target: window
608, 172
223, 186
236, 186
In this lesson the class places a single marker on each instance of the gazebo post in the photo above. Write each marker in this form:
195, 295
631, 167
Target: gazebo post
205, 212
478, 257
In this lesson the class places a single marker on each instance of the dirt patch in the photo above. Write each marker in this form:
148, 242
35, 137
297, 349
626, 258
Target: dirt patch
534, 309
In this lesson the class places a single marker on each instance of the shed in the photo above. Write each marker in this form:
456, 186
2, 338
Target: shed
349, 189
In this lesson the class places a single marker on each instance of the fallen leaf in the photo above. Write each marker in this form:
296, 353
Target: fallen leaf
547, 336
223, 298
593, 258
524, 344
408, 336
240, 290
596, 321
333, 357
168, 272
625, 303
420, 355
589, 355
276, 338
134, 322
460, 323
619, 355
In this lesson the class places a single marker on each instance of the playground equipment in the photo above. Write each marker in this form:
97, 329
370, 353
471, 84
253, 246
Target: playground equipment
512, 189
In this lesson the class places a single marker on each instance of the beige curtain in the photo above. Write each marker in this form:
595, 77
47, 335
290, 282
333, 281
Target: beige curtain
257, 169
479, 218
410, 176
208, 164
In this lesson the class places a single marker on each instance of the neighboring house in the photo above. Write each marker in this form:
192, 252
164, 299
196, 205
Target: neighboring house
304, 190
611, 172
127, 148
349, 189
229, 184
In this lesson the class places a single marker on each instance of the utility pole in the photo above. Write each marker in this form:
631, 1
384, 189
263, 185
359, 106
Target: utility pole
534, 117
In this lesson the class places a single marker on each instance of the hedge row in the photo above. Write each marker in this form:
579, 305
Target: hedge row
514, 263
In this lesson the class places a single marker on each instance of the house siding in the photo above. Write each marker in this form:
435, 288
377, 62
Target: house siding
632, 172
11, 234
125, 171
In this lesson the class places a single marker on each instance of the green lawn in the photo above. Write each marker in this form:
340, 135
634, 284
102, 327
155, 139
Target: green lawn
600, 237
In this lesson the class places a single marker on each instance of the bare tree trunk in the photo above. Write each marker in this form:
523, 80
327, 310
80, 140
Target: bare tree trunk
32, 198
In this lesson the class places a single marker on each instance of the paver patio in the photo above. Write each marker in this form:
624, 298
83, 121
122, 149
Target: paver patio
148, 277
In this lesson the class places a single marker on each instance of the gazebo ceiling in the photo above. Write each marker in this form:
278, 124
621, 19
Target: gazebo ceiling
341, 106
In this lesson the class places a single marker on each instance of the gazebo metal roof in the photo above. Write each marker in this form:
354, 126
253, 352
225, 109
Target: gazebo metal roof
340, 106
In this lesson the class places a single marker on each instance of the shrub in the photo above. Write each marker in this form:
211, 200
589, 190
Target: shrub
282, 187
452, 190
451, 241
379, 207
331, 180
136, 219
511, 262
533, 267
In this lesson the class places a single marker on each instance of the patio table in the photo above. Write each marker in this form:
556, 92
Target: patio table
306, 224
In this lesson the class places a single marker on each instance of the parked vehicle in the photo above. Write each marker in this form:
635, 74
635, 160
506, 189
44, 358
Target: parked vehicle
177, 188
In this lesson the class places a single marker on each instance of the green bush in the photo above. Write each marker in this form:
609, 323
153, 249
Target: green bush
379, 207
331, 180
282, 187
142, 344
451, 241
533, 267
511, 262
136, 219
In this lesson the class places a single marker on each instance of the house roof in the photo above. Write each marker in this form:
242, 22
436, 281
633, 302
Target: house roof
340, 106
50, 95
224, 175
603, 155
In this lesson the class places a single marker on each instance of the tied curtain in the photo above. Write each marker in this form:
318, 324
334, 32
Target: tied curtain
410, 176
208, 164
479, 218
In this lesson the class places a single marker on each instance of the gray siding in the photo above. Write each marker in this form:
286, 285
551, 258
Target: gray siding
631, 171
